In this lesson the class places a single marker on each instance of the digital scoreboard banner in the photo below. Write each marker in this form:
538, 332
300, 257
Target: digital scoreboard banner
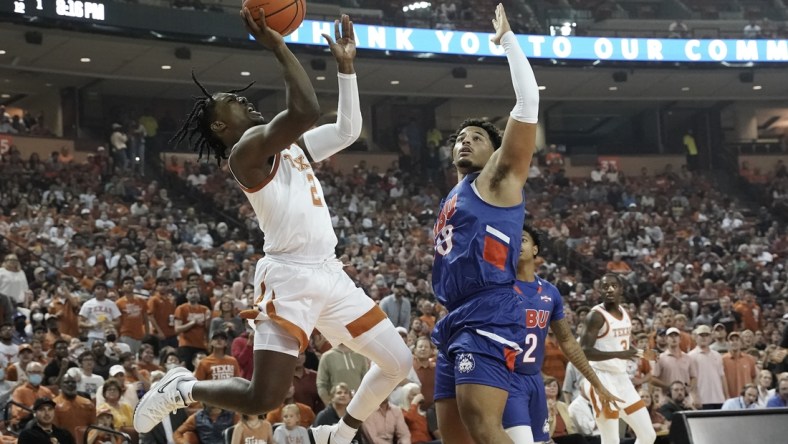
212, 27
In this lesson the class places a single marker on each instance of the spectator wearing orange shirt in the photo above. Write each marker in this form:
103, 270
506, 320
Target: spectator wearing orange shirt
554, 359
64, 309
427, 317
191, 324
618, 266
133, 375
53, 333
72, 410
161, 308
217, 365
27, 393
424, 365
415, 413
133, 316
740, 368
750, 311
686, 343
174, 167
65, 156
307, 415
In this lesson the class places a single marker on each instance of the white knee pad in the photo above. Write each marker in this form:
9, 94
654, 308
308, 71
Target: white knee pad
387, 350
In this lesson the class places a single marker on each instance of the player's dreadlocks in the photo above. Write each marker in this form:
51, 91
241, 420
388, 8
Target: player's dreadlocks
197, 128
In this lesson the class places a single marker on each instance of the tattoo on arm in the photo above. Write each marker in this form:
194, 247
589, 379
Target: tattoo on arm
573, 351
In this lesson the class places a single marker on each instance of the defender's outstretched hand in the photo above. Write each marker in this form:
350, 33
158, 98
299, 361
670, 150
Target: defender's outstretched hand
343, 45
500, 23
264, 35
607, 399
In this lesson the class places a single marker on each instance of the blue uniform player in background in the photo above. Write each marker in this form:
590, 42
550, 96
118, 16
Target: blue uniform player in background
477, 243
525, 415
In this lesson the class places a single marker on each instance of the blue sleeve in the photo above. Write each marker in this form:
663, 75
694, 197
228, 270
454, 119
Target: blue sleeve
558, 305
774, 401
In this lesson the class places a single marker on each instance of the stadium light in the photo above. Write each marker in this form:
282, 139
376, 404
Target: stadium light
415, 6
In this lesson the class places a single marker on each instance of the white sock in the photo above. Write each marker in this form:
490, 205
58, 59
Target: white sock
186, 387
344, 433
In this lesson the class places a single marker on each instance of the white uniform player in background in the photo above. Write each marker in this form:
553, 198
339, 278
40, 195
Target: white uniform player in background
299, 284
606, 343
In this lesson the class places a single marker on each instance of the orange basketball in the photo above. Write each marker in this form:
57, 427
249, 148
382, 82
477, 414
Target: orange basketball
283, 16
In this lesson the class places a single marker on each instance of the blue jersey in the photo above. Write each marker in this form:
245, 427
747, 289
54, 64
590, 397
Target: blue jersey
476, 245
543, 305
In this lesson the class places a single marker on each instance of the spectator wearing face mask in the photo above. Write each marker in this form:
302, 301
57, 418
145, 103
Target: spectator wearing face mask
27, 393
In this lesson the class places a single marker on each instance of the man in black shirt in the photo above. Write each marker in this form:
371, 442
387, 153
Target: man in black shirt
42, 430
726, 316
59, 365
677, 401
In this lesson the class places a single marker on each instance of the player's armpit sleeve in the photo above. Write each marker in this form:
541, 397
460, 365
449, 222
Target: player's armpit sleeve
326, 140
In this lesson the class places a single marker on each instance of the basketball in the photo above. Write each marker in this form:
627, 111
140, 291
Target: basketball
283, 16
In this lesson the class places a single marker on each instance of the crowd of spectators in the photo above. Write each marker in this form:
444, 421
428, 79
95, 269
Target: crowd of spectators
107, 281
771, 185
22, 123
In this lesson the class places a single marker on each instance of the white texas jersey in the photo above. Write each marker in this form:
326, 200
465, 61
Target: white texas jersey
613, 336
291, 210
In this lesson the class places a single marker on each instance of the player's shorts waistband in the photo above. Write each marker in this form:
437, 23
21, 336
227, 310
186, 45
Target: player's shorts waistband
302, 261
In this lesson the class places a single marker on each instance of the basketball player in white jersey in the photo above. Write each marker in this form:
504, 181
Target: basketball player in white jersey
299, 284
606, 343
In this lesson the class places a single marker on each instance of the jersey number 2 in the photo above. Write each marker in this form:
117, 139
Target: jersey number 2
317, 199
530, 342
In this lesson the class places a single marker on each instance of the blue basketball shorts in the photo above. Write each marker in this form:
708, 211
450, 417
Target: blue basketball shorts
478, 343
527, 406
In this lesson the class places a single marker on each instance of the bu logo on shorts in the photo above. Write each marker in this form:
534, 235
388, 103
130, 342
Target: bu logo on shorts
546, 426
465, 362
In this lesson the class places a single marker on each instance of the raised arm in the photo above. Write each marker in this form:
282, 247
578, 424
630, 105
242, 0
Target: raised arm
249, 157
502, 179
326, 140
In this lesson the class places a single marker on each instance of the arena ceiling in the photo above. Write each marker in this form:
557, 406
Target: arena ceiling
121, 66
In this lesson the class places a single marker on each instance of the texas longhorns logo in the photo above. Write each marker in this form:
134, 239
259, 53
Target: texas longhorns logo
300, 163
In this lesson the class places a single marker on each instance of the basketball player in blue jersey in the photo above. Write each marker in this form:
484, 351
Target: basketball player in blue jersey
525, 415
477, 243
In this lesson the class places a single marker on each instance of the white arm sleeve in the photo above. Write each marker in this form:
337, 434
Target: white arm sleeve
326, 140
525, 87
